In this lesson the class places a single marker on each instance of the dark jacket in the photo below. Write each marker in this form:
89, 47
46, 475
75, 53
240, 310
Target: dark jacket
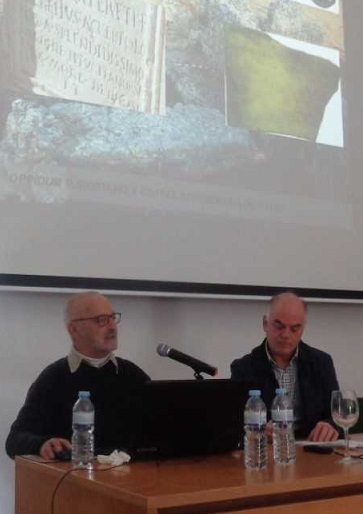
316, 375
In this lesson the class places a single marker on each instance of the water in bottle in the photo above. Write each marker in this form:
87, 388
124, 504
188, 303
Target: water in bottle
83, 426
255, 440
282, 415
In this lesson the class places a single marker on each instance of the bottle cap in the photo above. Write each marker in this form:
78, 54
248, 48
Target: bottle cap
254, 392
84, 394
280, 391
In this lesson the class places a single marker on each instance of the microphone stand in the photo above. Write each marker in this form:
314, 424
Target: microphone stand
197, 375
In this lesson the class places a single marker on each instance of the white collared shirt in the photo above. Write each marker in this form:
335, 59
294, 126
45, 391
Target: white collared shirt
75, 358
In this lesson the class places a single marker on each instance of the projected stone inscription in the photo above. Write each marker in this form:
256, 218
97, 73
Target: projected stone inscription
97, 51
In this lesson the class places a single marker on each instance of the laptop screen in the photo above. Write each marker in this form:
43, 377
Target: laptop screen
189, 417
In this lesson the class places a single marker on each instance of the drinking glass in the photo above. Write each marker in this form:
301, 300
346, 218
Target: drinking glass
345, 414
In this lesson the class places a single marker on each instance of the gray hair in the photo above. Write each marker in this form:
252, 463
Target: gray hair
288, 293
74, 300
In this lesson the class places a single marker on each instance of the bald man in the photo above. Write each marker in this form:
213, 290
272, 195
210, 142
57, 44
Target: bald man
44, 423
284, 360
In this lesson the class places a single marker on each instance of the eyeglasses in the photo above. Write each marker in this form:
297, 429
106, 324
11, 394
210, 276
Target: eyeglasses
102, 320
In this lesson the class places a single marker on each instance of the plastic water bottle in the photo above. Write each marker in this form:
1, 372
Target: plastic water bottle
282, 415
255, 440
83, 426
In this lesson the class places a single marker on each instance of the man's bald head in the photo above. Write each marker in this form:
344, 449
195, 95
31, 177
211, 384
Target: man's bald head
92, 324
284, 325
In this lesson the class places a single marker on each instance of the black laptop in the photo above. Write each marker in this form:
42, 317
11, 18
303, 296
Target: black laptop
179, 418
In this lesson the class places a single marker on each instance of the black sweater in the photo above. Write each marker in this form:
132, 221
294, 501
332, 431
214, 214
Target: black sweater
47, 411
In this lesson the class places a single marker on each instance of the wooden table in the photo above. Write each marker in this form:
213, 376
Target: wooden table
215, 484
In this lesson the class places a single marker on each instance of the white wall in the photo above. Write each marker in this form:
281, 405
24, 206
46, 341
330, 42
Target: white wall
216, 331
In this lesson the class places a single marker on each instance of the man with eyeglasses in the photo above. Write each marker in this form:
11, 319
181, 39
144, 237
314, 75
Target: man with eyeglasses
283, 360
44, 423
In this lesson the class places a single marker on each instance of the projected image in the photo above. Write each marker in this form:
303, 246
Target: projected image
106, 101
105, 53
277, 89
332, 5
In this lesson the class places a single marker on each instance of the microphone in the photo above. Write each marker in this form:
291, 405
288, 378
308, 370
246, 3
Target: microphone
165, 350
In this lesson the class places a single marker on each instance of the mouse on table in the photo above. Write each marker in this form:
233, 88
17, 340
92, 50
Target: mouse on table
65, 454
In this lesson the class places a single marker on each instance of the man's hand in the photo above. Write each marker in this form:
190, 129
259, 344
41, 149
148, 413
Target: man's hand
53, 446
323, 431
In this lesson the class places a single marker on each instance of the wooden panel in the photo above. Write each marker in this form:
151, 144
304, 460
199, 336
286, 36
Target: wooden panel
191, 486
351, 504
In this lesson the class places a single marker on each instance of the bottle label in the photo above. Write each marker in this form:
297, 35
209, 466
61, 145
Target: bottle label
83, 418
286, 415
255, 418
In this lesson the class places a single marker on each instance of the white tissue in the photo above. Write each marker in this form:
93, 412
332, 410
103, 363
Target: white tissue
116, 458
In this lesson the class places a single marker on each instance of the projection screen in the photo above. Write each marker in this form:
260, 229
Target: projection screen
182, 146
